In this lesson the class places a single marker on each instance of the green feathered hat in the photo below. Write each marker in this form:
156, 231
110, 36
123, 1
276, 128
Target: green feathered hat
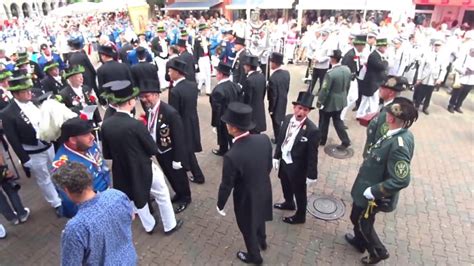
360, 40
23, 59
73, 70
4, 74
381, 42
19, 80
202, 26
50, 65
122, 91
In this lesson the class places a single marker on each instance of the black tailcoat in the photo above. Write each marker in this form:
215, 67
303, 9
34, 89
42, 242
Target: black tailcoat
221, 96
376, 72
278, 87
48, 83
238, 71
246, 169
68, 97
127, 142
190, 65
254, 94
144, 70
111, 71
183, 98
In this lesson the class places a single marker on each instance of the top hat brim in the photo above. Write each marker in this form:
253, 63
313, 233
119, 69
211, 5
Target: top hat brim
114, 99
226, 119
303, 104
182, 71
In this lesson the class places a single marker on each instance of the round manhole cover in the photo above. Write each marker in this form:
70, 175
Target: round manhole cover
325, 207
332, 151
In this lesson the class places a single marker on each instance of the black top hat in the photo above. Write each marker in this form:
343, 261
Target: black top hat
251, 60
141, 51
395, 83
75, 127
122, 91
305, 99
107, 50
149, 85
336, 54
178, 65
224, 68
239, 40
181, 43
276, 58
19, 80
239, 115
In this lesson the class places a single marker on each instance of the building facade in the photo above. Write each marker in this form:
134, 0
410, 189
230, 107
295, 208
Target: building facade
28, 8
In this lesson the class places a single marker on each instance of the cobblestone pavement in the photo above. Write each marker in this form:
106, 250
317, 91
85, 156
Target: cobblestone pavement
432, 224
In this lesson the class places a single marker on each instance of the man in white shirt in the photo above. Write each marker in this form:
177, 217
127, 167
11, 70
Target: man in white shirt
465, 67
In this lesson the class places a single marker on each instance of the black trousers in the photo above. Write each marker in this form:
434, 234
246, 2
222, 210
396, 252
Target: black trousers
293, 186
422, 95
253, 239
276, 124
177, 178
307, 69
459, 95
359, 93
364, 231
223, 138
324, 118
318, 75
15, 201
194, 167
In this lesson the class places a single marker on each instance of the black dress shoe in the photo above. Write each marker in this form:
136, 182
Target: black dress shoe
244, 257
368, 260
450, 109
426, 112
59, 211
175, 198
181, 207
294, 220
178, 225
218, 152
351, 240
342, 147
196, 180
152, 230
458, 110
284, 206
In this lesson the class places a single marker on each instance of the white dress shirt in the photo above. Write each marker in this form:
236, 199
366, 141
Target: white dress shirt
293, 128
152, 120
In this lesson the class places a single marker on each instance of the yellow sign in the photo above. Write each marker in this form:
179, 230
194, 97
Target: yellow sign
139, 17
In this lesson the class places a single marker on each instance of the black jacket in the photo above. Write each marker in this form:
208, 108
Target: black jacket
254, 94
304, 152
246, 170
90, 75
68, 98
156, 47
238, 72
111, 71
349, 61
223, 94
144, 70
48, 83
198, 50
190, 65
183, 98
128, 144
376, 72
278, 87
123, 54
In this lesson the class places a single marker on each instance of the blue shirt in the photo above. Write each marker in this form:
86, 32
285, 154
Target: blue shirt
100, 233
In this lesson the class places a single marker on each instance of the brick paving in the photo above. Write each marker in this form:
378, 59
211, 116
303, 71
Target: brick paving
432, 224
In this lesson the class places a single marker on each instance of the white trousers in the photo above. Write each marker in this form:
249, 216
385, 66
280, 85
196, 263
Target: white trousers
40, 164
352, 95
215, 63
368, 105
161, 64
159, 191
204, 75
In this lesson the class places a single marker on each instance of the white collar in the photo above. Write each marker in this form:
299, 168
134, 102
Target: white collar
387, 102
392, 132
250, 72
155, 108
20, 104
240, 136
223, 80
178, 81
125, 112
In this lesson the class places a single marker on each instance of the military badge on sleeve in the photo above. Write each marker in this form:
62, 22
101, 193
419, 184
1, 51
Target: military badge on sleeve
402, 169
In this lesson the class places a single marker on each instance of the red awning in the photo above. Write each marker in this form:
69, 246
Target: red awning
466, 3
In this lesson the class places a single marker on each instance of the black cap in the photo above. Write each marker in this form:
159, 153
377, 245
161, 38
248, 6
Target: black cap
181, 43
239, 115
395, 83
108, 50
75, 127
239, 40
224, 68
305, 99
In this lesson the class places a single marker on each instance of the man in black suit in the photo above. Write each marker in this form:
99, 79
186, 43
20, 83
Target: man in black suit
278, 87
52, 81
376, 73
224, 93
238, 72
166, 127
21, 119
296, 157
184, 99
127, 142
78, 56
254, 92
110, 69
185, 56
249, 177
143, 70
5, 95
76, 95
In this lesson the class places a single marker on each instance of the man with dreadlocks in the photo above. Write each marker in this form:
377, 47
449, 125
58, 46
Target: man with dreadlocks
384, 172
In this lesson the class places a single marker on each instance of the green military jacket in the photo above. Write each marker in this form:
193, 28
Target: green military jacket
333, 92
376, 129
385, 169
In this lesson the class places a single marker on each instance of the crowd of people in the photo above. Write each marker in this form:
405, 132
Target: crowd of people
53, 86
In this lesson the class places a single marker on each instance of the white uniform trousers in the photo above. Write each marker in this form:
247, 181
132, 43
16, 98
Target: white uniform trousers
368, 105
161, 64
40, 163
351, 98
159, 191
204, 75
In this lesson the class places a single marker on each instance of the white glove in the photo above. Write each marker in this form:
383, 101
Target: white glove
176, 165
27, 164
221, 212
368, 194
310, 181
276, 164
